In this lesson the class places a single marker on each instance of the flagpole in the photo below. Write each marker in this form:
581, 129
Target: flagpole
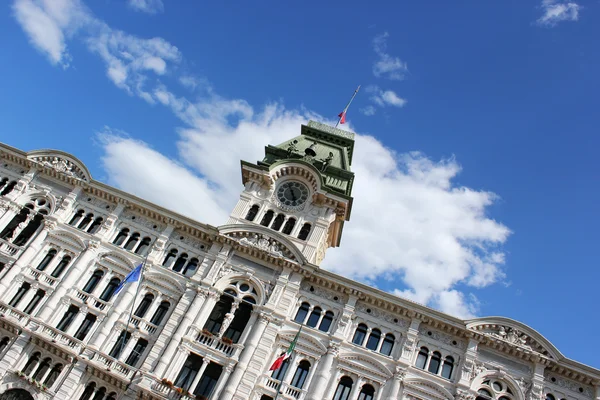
281, 380
347, 106
137, 292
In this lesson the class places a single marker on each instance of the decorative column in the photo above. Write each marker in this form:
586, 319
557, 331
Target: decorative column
205, 362
133, 339
331, 389
396, 384
77, 321
69, 279
197, 299
536, 391
324, 373
63, 213
223, 378
229, 317
356, 387
245, 357
207, 307
468, 365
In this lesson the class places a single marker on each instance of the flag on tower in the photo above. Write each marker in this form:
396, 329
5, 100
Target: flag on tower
342, 115
133, 276
284, 356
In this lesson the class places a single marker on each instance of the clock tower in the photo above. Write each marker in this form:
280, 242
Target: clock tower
299, 195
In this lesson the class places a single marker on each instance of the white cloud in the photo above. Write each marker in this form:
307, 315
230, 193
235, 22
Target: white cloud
48, 23
385, 97
368, 111
387, 66
556, 11
147, 6
411, 225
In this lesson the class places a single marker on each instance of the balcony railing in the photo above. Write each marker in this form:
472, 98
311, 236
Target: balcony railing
13, 313
91, 300
9, 249
41, 276
229, 349
143, 325
115, 366
60, 337
286, 391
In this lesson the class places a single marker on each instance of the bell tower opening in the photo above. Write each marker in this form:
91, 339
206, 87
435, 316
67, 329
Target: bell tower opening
301, 189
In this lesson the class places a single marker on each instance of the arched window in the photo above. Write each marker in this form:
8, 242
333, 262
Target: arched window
266, 219
326, 322
313, 319
29, 230
120, 344
216, 317
96, 225
142, 309
191, 267
360, 334
19, 295
132, 241
84, 222
93, 282
303, 235
144, 246
37, 297
100, 394
302, 312
170, 258
343, 389
78, 215
300, 375
46, 260
252, 213
434, 363
280, 372
447, 367
53, 375
110, 289
278, 222
31, 363
42, 369
3, 182
3, 343
86, 326
240, 320
367, 392
422, 358
388, 344
68, 318
9, 231
88, 392
374, 338
112, 396
289, 226
160, 313
8, 188
121, 237
549, 396
497, 390
61, 266
181, 261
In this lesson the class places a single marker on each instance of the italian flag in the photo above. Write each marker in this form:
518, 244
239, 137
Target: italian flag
279, 360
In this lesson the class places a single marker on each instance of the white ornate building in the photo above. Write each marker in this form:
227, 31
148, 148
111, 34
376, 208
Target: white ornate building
217, 305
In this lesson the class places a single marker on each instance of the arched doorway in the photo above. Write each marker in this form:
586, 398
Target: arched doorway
16, 394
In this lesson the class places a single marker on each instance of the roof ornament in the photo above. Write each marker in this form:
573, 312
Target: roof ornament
310, 152
292, 148
327, 161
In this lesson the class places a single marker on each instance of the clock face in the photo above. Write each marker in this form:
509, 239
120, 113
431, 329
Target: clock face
292, 193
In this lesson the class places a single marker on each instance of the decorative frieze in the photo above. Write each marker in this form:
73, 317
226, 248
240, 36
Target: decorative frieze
436, 335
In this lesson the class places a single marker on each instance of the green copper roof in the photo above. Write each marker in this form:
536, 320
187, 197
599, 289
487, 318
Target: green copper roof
328, 149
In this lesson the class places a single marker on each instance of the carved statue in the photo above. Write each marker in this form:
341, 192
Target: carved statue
292, 148
327, 161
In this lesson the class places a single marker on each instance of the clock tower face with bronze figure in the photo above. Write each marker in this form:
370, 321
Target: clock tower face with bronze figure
292, 194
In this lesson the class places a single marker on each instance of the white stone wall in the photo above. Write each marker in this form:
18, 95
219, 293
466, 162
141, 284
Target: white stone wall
484, 353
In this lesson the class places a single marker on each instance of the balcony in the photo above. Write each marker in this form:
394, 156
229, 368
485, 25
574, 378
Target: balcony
219, 344
42, 277
91, 300
116, 367
286, 391
60, 337
143, 325
9, 249
12, 313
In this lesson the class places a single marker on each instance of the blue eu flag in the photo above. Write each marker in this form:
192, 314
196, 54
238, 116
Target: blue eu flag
133, 276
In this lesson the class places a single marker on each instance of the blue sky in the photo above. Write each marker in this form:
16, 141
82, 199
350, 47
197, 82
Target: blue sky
477, 126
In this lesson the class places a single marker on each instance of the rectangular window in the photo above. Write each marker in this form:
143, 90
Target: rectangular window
209, 380
39, 295
86, 326
120, 344
188, 371
19, 295
137, 352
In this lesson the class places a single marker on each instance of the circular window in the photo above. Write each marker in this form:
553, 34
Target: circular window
244, 287
496, 390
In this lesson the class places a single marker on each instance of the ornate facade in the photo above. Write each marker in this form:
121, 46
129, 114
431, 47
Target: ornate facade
217, 305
